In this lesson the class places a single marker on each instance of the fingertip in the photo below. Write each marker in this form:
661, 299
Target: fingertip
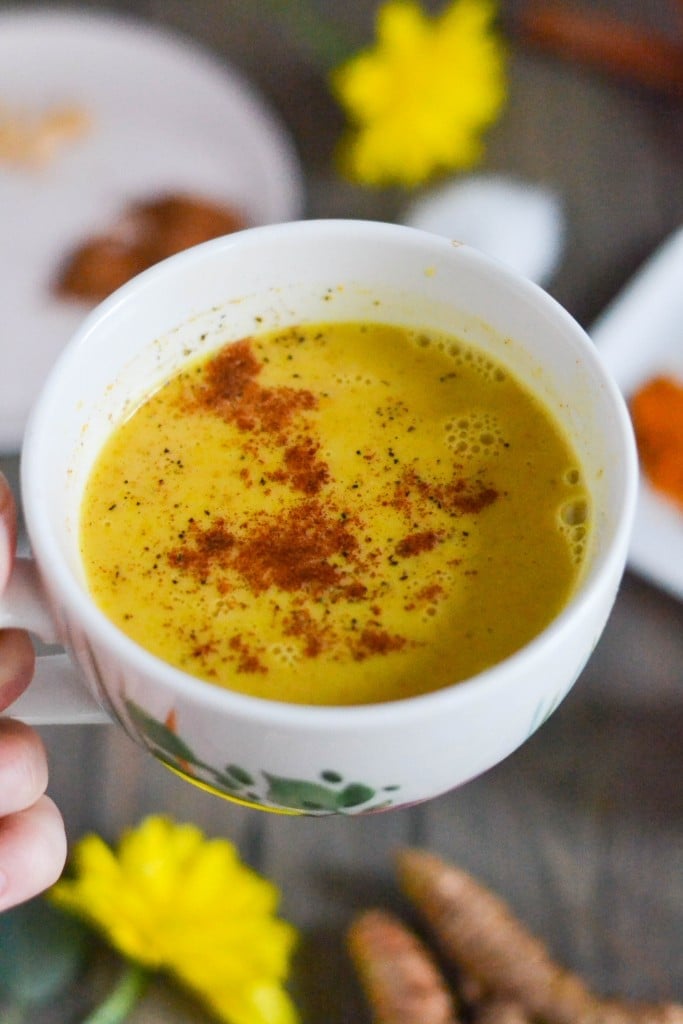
32, 852
23, 766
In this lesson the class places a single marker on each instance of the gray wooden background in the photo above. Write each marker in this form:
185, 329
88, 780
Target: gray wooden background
582, 829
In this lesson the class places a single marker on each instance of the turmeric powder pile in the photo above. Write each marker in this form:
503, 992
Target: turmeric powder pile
657, 412
506, 975
33, 139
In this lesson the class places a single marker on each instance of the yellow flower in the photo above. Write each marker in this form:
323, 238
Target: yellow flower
173, 900
418, 101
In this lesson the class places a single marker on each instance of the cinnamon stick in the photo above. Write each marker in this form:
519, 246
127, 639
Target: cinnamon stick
628, 51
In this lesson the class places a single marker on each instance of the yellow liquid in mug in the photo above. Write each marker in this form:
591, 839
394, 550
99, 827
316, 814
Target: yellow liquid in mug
339, 514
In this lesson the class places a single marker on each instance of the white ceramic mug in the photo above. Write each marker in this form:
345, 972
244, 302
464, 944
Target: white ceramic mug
268, 754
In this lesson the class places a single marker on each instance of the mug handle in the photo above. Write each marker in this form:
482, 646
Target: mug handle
57, 695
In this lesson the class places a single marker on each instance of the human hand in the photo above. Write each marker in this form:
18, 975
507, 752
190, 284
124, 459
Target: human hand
32, 839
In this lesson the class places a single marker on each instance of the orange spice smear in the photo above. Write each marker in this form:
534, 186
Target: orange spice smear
657, 411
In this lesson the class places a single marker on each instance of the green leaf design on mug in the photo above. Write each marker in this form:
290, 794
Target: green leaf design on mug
329, 795
239, 775
302, 795
160, 736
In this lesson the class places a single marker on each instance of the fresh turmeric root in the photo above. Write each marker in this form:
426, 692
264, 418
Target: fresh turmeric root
398, 973
478, 932
499, 1011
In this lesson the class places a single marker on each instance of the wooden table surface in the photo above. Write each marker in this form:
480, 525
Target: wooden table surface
581, 830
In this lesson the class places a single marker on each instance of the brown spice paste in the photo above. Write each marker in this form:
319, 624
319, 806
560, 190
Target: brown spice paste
147, 231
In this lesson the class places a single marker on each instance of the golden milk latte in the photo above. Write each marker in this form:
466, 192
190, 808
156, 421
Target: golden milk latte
338, 514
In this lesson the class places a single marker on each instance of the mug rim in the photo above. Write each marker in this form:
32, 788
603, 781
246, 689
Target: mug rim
47, 549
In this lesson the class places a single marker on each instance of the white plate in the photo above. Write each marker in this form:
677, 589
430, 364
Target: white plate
640, 335
164, 116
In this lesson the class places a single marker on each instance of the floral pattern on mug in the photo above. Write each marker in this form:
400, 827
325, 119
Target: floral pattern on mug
328, 794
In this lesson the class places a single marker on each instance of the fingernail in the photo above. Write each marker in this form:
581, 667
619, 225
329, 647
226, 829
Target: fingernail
6, 534
5, 553
5, 492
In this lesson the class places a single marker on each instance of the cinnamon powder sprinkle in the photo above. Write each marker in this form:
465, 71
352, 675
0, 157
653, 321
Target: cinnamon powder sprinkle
377, 641
416, 543
311, 548
456, 496
231, 390
307, 472
302, 548
248, 661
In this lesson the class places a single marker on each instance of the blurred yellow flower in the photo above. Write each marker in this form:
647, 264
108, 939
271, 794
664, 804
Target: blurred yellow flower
173, 900
418, 101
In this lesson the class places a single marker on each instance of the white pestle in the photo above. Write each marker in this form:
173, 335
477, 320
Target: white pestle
519, 223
